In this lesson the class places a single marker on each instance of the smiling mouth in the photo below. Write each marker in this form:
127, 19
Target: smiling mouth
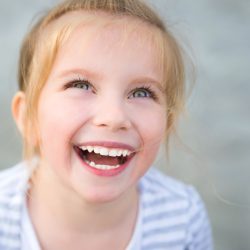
102, 158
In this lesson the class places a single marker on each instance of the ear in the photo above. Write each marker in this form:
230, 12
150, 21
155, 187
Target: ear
19, 110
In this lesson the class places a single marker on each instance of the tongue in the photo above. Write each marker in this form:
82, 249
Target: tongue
102, 160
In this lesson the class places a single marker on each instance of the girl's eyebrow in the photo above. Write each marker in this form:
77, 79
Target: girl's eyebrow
151, 80
81, 72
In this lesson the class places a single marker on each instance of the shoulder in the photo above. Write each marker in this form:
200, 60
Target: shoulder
173, 213
12, 179
13, 183
157, 185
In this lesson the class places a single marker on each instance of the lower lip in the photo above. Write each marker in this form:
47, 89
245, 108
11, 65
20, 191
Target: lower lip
107, 172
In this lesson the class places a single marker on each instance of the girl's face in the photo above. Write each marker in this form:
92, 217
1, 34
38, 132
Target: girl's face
102, 113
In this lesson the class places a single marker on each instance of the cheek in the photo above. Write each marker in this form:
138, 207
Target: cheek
153, 125
152, 138
61, 113
58, 122
152, 130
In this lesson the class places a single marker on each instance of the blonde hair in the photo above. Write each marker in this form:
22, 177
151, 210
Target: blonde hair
39, 51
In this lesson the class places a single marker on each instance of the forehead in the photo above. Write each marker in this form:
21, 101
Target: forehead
120, 31
103, 20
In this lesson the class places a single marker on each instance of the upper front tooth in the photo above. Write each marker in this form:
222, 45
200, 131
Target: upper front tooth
104, 151
113, 152
90, 149
125, 153
97, 150
83, 148
119, 152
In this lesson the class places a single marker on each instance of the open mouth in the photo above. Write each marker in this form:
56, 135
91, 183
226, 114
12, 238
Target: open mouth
102, 158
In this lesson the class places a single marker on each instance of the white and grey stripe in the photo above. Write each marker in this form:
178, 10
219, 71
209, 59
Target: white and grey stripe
173, 216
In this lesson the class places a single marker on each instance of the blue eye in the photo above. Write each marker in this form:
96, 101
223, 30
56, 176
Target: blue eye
81, 85
143, 92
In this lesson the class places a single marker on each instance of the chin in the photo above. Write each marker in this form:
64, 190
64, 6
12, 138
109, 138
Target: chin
100, 197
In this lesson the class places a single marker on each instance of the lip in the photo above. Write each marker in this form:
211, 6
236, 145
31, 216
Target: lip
108, 144
107, 172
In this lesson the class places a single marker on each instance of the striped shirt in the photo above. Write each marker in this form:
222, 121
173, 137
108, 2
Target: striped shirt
171, 214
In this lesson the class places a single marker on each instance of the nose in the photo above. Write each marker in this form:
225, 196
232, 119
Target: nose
112, 113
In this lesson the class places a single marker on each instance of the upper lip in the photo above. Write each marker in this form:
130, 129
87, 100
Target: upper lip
108, 144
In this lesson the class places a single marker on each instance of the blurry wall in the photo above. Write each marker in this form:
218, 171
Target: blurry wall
214, 151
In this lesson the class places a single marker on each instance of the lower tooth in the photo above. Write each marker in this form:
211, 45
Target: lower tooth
102, 167
92, 164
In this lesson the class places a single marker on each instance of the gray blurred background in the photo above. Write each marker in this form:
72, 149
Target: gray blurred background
213, 152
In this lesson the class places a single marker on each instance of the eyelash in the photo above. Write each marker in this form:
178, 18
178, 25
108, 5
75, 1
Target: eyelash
74, 83
146, 89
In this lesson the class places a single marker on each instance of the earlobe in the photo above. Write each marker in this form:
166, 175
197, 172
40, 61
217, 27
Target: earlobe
19, 110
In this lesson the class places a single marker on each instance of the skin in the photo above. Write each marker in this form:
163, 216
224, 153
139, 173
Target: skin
83, 206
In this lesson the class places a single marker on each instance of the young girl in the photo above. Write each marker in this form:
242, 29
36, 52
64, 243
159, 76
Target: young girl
101, 86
